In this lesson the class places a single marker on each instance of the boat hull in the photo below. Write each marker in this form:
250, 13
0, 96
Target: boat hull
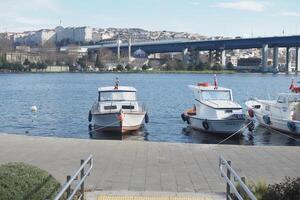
116, 122
224, 126
278, 124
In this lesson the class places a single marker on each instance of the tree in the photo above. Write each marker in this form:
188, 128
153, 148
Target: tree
82, 62
145, 67
26, 62
217, 67
32, 65
128, 67
120, 67
230, 66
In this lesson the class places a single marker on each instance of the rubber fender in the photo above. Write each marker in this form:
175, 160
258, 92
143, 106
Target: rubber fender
205, 124
90, 116
267, 119
292, 126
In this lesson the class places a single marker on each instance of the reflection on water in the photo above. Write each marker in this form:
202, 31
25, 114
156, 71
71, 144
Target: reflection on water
245, 138
140, 134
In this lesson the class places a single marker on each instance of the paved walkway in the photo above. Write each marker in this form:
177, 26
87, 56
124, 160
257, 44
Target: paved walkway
151, 166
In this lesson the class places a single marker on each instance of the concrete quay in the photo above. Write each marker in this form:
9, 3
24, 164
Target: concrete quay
138, 166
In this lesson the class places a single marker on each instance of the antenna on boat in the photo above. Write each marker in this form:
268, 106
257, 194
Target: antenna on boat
215, 82
117, 83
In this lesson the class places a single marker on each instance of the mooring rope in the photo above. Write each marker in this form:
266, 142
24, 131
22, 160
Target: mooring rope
235, 132
285, 135
97, 129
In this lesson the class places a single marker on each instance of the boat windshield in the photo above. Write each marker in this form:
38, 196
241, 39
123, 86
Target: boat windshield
117, 96
216, 95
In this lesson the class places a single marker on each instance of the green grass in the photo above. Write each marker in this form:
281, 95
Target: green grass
23, 181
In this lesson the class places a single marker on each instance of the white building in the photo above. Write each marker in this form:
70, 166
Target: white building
78, 34
35, 37
83, 34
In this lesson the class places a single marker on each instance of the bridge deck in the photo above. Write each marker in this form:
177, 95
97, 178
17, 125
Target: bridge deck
151, 166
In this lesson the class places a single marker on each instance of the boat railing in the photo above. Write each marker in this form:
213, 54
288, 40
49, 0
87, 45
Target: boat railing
80, 175
231, 188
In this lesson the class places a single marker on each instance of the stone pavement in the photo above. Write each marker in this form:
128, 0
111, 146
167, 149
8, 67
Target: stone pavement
150, 166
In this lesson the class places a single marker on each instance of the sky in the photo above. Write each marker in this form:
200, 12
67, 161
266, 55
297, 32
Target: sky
244, 18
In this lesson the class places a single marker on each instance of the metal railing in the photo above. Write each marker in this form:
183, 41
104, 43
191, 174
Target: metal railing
230, 185
79, 187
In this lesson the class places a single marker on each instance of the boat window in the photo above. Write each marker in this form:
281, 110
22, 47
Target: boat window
281, 99
216, 95
127, 107
117, 96
110, 107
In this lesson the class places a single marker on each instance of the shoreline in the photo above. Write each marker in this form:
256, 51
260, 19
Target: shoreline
3, 134
131, 72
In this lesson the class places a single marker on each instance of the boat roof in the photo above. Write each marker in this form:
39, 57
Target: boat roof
289, 94
221, 104
119, 89
210, 87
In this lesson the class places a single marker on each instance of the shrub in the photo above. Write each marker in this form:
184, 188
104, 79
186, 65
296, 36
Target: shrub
23, 181
289, 189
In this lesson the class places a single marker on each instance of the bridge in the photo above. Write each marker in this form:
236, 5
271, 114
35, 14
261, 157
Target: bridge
219, 46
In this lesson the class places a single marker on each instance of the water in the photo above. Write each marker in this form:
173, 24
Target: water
63, 102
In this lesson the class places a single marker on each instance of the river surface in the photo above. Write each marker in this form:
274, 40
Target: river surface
64, 99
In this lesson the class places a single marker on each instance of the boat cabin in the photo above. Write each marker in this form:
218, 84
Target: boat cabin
122, 93
210, 93
115, 99
214, 102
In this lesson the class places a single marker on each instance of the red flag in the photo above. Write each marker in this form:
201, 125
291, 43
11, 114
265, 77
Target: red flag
216, 82
292, 85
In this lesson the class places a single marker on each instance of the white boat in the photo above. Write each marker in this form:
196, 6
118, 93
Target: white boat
117, 109
214, 110
282, 114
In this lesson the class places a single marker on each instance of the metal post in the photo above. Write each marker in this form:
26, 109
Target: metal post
264, 53
227, 185
210, 58
69, 188
287, 60
119, 51
81, 177
297, 59
185, 59
223, 58
275, 58
129, 49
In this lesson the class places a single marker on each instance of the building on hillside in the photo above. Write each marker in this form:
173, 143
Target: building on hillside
19, 57
36, 37
75, 34
83, 34
76, 51
23, 48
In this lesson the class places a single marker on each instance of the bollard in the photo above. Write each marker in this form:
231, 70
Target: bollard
227, 185
69, 188
81, 178
243, 179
